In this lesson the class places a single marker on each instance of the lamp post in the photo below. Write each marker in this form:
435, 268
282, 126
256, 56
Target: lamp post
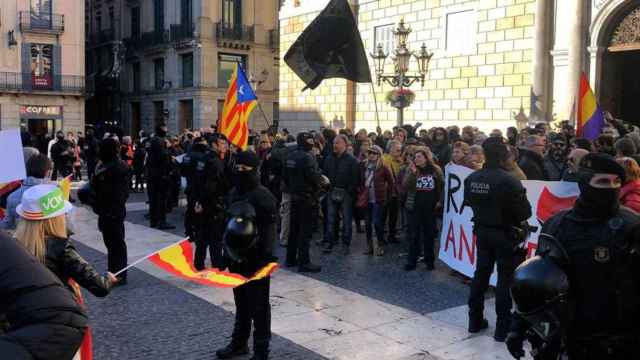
401, 97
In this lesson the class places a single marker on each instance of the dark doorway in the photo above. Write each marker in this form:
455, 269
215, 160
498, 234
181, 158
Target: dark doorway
185, 115
135, 119
620, 89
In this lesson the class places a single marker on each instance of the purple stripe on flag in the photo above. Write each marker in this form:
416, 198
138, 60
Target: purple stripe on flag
593, 127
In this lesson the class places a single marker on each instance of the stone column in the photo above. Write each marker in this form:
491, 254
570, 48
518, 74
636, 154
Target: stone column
541, 60
577, 44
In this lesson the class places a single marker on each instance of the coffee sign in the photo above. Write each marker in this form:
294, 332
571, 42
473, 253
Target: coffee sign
40, 111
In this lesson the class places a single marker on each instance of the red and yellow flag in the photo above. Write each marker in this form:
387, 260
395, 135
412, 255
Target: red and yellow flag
6, 188
238, 105
65, 186
178, 260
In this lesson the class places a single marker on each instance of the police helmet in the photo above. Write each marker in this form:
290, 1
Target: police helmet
540, 291
239, 237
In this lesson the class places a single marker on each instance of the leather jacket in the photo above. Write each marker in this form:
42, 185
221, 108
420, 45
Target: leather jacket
64, 260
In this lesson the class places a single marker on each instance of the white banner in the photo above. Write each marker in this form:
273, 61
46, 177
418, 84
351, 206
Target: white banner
457, 242
11, 156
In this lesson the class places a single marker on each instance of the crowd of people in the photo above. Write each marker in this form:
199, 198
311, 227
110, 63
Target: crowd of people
388, 185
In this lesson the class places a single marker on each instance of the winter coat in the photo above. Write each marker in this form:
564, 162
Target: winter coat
555, 170
383, 183
36, 306
532, 164
343, 172
630, 195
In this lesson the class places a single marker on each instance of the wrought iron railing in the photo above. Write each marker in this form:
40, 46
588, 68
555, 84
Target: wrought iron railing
43, 22
182, 32
14, 81
226, 31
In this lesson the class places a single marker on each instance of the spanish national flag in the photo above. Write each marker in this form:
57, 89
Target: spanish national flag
240, 102
177, 259
590, 116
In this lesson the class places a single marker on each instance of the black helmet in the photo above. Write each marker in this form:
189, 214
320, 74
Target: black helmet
240, 233
540, 289
86, 195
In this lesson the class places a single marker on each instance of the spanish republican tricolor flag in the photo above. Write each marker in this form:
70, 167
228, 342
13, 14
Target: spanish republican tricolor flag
177, 259
590, 116
240, 102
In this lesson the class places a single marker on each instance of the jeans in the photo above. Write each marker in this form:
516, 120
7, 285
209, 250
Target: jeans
374, 220
252, 306
285, 218
421, 235
493, 248
346, 209
113, 235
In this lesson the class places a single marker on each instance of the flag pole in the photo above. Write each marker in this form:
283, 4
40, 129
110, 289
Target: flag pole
264, 116
146, 257
375, 101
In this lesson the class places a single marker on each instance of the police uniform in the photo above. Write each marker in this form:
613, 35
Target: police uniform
158, 168
252, 299
301, 181
499, 204
600, 244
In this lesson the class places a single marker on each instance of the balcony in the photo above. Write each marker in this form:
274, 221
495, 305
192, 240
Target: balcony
274, 39
101, 37
235, 32
26, 82
41, 23
182, 32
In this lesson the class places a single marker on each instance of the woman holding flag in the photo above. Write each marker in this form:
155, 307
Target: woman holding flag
43, 232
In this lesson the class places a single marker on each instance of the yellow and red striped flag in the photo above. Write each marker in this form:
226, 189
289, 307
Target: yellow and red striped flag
65, 186
178, 260
238, 105
6, 188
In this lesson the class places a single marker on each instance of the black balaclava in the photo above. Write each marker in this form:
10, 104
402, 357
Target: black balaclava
246, 181
60, 136
596, 202
302, 141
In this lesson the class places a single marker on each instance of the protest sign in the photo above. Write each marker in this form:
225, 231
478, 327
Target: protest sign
11, 156
457, 242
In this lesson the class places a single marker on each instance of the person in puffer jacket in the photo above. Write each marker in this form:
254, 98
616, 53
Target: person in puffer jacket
630, 191
34, 305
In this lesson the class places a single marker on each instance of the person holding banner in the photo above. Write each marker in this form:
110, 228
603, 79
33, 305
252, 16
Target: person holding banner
424, 183
500, 206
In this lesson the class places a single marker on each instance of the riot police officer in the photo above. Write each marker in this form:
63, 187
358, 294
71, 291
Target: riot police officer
301, 180
252, 208
596, 244
158, 169
499, 206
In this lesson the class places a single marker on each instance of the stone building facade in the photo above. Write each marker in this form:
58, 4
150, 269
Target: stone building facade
166, 60
489, 57
42, 84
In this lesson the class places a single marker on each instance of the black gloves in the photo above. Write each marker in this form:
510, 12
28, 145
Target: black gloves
514, 343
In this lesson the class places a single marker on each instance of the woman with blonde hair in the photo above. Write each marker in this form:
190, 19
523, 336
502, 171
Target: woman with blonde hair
630, 191
460, 153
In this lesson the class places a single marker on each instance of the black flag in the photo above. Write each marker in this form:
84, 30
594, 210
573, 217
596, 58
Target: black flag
330, 47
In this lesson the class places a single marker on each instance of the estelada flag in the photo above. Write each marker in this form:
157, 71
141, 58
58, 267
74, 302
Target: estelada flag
330, 47
240, 102
590, 115
65, 186
178, 260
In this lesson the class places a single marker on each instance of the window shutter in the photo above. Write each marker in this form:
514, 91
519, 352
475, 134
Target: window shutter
26, 66
238, 13
57, 67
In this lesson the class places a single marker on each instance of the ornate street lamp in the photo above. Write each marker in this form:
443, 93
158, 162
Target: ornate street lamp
400, 97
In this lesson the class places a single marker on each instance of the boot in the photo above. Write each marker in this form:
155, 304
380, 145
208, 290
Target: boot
232, 350
502, 329
477, 323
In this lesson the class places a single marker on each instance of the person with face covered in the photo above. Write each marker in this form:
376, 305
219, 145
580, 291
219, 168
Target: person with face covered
555, 162
111, 186
301, 180
251, 299
596, 244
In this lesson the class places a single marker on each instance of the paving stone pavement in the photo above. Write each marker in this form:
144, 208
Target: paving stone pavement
358, 308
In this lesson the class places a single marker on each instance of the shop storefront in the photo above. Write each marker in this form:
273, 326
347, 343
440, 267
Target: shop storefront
41, 121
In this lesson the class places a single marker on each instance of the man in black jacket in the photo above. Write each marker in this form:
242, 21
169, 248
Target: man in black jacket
62, 157
531, 158
252, 299
500, 206
89, 146
301, 181
343, 172
111, 186
36, 305
158, 169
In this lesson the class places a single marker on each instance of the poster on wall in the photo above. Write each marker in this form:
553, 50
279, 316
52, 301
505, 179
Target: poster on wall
457, 241
42, 66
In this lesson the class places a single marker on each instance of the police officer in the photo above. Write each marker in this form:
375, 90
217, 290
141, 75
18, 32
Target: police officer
499, 205
89, 148
301, 180
158, 169
596, 243
256, 207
